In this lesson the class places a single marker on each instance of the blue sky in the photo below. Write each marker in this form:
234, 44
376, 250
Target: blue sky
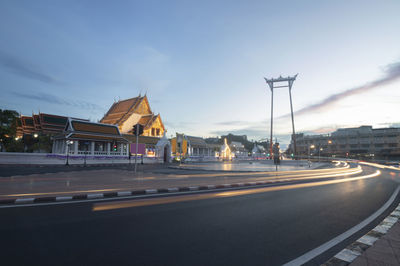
202, 63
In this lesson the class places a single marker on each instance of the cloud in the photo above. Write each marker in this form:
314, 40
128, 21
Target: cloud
24, 69
49, 98
392, 73
231, 123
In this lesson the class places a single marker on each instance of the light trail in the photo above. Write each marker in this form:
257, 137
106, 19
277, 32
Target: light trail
381, 166
274, 173
158, 201
302, 176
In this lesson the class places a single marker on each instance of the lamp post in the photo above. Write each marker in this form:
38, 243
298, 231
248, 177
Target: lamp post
312, 146
319, 153
68, 143
36, 136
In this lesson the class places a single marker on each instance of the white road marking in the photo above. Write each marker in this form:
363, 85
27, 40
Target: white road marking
173, 189
333, 242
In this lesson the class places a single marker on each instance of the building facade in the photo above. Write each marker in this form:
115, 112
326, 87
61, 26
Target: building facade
190, 146
363, 141
88, 138
127, 113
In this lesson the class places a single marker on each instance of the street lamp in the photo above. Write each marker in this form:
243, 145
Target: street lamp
319, 153
36, 135
68, 143
312, 146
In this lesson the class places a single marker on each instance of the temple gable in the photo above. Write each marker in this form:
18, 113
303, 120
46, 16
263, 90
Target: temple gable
127, 113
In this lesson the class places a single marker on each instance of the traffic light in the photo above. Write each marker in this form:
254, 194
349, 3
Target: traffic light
137, 129
292, 155
115, 147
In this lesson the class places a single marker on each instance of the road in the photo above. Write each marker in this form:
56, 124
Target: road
269, 226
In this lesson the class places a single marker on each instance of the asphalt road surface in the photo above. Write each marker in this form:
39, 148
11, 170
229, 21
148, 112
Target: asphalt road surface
246, 227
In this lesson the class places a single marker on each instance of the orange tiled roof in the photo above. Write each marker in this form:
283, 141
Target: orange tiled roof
144, 120
83, 126
121, 110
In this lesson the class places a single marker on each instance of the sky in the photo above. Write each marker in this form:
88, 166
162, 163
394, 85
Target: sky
202, 63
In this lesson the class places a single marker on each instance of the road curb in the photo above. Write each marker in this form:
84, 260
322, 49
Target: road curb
117, 194
354, 250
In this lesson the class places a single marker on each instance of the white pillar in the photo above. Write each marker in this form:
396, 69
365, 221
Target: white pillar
75, 147
64, 146
92, 148
108, 148
121, 149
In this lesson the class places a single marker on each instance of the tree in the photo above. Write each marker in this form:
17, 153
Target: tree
8, 129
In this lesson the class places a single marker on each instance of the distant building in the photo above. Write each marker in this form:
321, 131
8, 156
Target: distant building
258, 151
127, 113
362, 141
185, 146
238, 149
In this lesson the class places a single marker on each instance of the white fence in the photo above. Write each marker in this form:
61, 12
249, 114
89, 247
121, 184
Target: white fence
60, 159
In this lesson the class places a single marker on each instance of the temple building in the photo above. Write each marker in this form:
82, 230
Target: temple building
41, 123
87, 138
127, 113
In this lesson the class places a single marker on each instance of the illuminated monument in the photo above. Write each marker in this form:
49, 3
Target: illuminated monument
225, 152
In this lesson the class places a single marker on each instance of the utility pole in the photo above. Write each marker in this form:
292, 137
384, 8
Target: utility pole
137, 130
271, 84
136, 146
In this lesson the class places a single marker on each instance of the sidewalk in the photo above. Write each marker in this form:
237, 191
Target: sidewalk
385, 251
